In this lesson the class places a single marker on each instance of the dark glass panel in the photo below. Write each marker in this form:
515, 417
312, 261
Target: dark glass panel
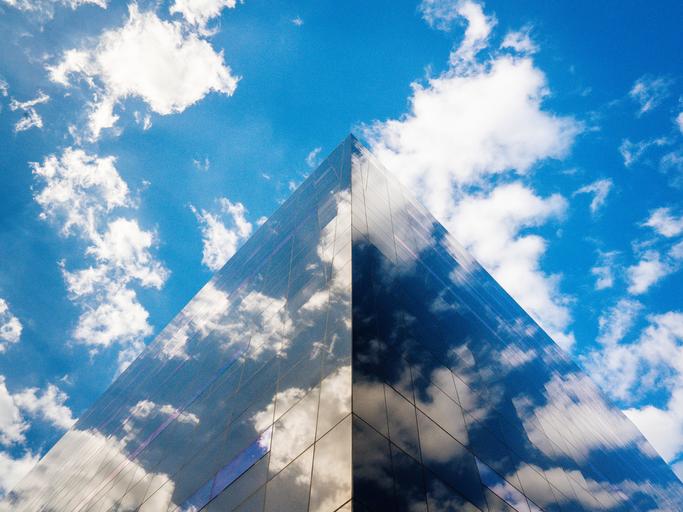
373, 482
408, 482
402, 423
449, 460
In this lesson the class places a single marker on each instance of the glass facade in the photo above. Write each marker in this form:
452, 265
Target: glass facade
351, 356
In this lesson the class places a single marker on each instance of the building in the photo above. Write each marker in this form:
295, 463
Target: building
351, 356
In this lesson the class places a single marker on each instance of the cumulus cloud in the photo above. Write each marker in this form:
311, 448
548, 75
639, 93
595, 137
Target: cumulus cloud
476, 123
220, 240
157, 61
654, 361
47, 404
664, 222
629, 369
649, 92
30, 117
81, 195
12, 423
490, 226
79, 189
10, 326
599, 189
663, 427
13, 469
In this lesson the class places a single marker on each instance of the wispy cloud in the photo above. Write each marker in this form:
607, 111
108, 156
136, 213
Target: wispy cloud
649, 92
30, 117
313, 158
600, 190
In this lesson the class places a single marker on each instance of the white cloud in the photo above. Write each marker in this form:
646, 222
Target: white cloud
600, 189
679, 121
662, 427
464, 128
665, 223
30, 117
80, 195
12, 423
467, 125
10, 326
79, 189
653, 362
520, 41
12, 469
616, 322
47, 405
199, 12
649, 92
167, 67
44, 9
490, 226
442, 13
627, 370
221, 241
144, 120
297, 21
312, 159
604, 277
119, 318
202, 165
4, 87
125, 247
650, 269
632, 152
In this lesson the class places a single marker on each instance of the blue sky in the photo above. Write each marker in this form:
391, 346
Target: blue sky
143, 143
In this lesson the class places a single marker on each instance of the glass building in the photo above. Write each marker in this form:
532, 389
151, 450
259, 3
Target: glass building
351, 356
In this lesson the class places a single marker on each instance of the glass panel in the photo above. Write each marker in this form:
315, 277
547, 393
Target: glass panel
402, 423
449, 460
331, 481
408, 482
294, 431
290, 488
373, 483
242, 488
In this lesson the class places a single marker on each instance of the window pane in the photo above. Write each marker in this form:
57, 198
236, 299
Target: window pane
331, 482
289, 489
